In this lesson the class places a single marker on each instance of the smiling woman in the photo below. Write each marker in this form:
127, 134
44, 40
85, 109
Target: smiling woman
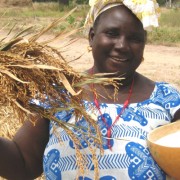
117, 38
124, 115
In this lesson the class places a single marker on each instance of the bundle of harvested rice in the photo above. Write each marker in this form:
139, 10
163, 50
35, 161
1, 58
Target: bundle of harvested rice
34, 71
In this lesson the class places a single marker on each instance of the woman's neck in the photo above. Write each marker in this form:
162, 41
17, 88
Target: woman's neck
142, 89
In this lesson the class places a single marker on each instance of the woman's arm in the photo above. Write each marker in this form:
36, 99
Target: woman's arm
176, 116
22, 157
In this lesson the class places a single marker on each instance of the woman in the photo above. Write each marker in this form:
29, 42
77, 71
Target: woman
117, 39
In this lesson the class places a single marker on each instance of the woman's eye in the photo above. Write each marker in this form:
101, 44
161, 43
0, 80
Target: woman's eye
136, 39
112, 33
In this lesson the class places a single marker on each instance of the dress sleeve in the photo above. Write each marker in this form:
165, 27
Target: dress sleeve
169, 97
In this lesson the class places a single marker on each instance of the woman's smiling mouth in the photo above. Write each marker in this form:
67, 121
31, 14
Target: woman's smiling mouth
119, 59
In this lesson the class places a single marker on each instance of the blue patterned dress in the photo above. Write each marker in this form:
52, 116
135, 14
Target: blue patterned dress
129, 157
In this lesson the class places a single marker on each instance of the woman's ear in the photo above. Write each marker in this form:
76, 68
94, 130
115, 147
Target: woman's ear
145, 35
91, 36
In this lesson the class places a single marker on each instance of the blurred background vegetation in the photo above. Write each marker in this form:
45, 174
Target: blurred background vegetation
18, 14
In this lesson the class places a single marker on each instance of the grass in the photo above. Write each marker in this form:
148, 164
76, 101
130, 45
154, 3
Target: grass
41, 14
37, 10
169, 32
169, 17
164, 36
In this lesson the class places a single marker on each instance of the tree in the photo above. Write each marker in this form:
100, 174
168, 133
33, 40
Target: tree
64, 2
167, 3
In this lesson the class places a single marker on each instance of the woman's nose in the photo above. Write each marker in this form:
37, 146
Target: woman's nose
121, 43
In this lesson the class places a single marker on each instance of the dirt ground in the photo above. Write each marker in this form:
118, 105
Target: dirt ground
161, 63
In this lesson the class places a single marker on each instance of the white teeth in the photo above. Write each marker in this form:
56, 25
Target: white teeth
117, 59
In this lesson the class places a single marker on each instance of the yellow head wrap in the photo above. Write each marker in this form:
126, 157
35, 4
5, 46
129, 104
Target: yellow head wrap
147, 11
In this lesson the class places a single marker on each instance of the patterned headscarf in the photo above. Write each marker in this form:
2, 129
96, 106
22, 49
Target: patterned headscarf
147, 11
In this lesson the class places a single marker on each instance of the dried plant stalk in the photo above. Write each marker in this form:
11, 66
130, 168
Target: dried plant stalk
31, 70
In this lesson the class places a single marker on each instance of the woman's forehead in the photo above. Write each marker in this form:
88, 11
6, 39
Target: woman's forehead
118, 12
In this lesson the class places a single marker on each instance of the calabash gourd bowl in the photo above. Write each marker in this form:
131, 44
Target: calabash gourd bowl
164, 153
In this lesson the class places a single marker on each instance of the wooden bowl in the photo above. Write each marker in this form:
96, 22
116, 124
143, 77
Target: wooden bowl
166, 156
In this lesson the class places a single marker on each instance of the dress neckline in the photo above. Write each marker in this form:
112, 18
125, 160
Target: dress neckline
130, 104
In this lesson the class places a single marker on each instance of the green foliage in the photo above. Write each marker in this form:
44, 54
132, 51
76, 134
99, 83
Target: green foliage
161, 2
168, 32
37, 10
164, 36
170, 18
70, 19
82, 1
174, 3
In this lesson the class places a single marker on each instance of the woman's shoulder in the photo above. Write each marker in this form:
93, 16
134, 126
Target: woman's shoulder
167, 95
148, 89
165, 88
156, 87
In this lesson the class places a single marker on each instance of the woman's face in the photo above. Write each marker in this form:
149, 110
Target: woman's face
117, 41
